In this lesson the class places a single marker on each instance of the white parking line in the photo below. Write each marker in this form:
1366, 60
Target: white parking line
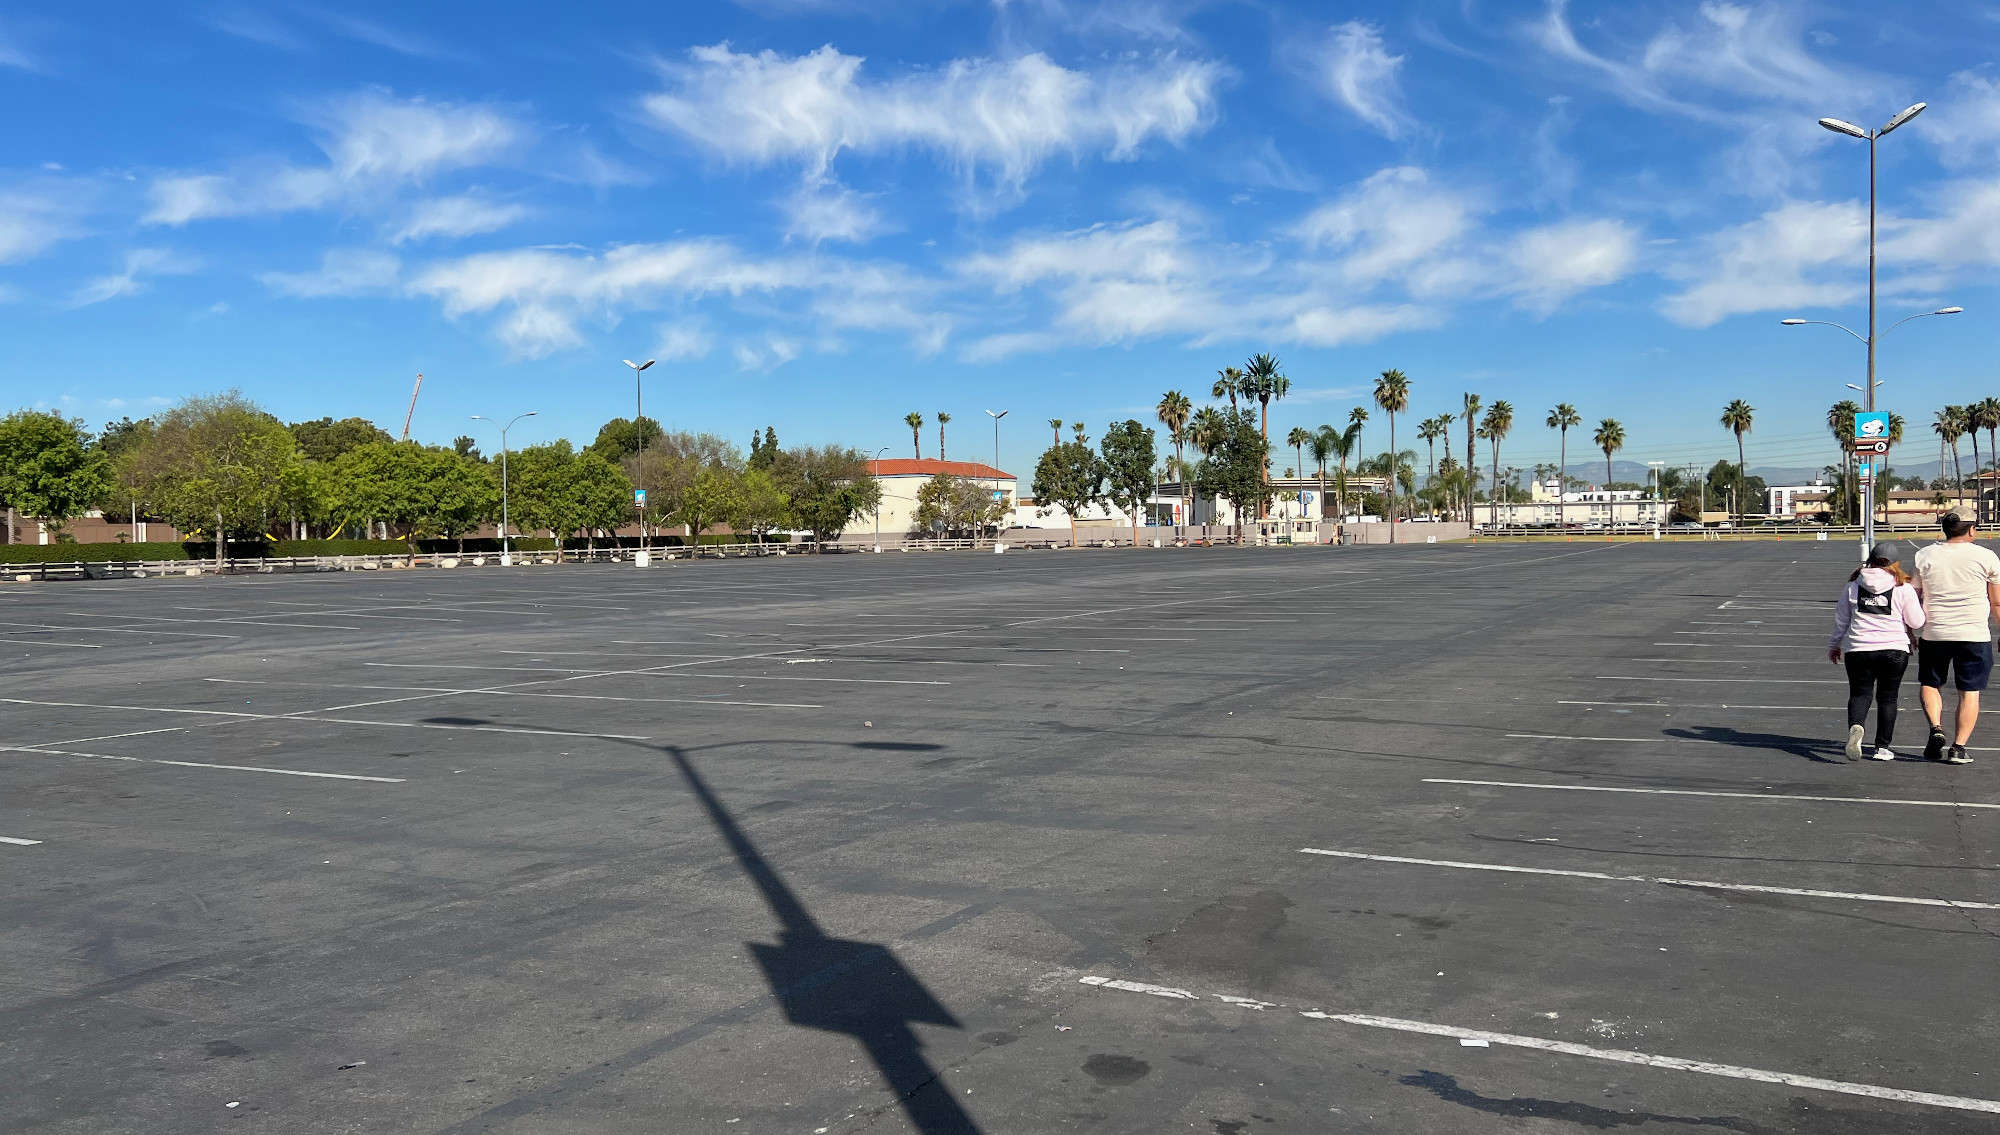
1732, 1071
1622, 1056
1700, 705
18, 842
199, 764
1687, 740
1907, 900
1764, 681
1729, 645
1696, 792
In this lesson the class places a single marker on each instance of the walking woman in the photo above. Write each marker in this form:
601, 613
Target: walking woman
1878, 614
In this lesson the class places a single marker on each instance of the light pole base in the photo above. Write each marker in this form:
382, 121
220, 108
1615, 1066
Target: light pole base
643, 558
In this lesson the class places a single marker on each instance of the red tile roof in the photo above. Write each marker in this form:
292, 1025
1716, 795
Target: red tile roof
931, 467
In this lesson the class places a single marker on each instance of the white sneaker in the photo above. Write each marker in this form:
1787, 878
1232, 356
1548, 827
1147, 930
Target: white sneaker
1854, 742
1881, 753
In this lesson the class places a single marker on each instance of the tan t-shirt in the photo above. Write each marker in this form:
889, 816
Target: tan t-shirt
1954, 579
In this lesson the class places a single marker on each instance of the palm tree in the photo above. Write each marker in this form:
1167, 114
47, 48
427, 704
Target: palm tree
1946, 426
1392, 393
1736, 417
1610, 437
1055, 426
1496, 425
1470, 412
1428, 431
915, 421
1173, 411
1562, 418
1298, 439
1357, 418
1987, 410
1262, 381
943, 420
1325, 442
1204, 430
1840, 423
1228, 383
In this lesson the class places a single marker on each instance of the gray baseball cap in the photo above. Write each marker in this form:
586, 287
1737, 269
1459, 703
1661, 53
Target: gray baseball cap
1886, 550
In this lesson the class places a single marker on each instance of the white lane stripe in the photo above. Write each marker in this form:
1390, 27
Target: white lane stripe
200, 764
1697, 792
18, 842
1140, 987
42, 642
1761, 681
1694, 705
1751, 888
1732, 1071
1675, 1063
1729, 645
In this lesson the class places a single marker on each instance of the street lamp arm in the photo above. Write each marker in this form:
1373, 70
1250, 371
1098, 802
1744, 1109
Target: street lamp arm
1919, 315
1821, 323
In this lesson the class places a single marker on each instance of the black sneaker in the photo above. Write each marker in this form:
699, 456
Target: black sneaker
1934, 748
1957, 756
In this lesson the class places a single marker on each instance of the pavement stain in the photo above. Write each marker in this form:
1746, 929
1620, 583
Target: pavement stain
1115, 1071
1219, 936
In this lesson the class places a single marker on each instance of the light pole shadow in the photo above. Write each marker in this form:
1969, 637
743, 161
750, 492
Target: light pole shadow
842, 986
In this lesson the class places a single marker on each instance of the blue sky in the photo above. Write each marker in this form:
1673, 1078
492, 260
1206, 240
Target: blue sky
821, 215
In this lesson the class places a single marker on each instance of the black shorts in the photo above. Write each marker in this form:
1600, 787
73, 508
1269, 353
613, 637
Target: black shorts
1970, 662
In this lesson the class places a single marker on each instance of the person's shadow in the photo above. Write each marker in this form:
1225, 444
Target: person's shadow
1808, 747
843, 986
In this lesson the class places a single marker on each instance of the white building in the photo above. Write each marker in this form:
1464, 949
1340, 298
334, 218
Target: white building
902, 477
1598, 508
1783, 497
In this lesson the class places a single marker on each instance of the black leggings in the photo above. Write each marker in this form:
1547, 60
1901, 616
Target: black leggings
1877, 676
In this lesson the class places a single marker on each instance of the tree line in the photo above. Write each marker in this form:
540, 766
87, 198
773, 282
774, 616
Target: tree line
221, 465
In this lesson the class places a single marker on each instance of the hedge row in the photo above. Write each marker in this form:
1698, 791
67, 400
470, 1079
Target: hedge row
120, 553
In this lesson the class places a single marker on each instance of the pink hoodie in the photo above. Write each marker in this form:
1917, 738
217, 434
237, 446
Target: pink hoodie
1856, 630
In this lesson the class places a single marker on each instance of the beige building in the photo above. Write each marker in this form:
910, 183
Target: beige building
902, 477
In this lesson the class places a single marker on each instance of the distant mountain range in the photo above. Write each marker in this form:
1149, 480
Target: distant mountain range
1637, 472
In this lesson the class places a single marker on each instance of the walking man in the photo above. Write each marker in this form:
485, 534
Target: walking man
1960, 585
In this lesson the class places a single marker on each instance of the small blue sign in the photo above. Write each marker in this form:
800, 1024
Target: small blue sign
639, 497
1872, 425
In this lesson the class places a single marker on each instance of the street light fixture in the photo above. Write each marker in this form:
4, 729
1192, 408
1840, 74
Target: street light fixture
506, 549
996, 449
639, 425
878, 502
1842, 126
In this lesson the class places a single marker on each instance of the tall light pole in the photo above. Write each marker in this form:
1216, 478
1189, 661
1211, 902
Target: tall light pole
506, 549
1841, 126
996, 450
639, 424
878, 503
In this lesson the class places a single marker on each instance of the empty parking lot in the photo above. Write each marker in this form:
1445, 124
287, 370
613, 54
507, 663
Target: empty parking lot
1549, 837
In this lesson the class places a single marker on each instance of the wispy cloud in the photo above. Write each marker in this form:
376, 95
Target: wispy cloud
999, 120
342, 272
139, 264
374, 143
463, 215
1355, 69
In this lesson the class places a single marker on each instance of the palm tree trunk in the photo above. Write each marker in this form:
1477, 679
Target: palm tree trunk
1562, 479
1493, 494
1392, 476
1742, 471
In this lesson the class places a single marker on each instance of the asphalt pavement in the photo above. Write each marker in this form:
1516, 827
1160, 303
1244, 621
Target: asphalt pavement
1436, 838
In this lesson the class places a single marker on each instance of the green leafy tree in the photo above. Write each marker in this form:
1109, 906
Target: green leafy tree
326, 439
620, 438
709, 501
1236, 464
215, 464
670, 465
1128, 467
761, 506
567, 492
121, 437
764, 449
1070, 474
1728, 483
420, 492
957, 507
308, 496
49, 470
828, 487
466, 446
